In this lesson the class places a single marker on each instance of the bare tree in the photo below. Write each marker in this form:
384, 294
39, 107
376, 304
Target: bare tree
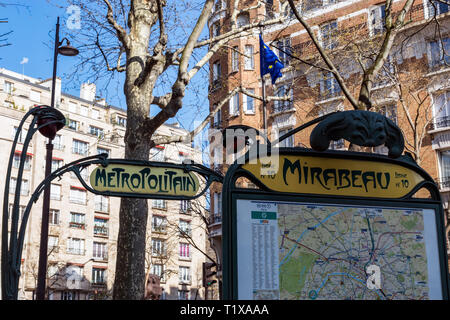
153, 43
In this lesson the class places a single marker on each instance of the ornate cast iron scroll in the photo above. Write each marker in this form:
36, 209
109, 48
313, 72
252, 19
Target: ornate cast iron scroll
363, 128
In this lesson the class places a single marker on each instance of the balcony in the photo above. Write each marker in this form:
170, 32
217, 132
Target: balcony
215, 218
76, 251
101, 231
441, 122
100, 257
443, 183
78, 225
159, 229
283, 107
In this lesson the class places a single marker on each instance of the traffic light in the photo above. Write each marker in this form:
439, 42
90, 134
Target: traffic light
207, 274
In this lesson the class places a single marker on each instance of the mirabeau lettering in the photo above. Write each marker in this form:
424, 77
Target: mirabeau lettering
334, 177
169, 181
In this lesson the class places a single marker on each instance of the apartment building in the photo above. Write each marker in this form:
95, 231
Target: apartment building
83, 228
412, 88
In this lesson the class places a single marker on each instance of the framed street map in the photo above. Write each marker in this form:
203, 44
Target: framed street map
312, 251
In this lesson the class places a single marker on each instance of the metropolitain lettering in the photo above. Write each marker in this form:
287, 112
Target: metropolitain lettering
144, 180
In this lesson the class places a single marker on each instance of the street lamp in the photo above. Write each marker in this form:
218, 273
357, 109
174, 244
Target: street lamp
50, 133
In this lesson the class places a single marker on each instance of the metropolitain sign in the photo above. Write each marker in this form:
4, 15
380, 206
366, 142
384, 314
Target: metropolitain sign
144, 180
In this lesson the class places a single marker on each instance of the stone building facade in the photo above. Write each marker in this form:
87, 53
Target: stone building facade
84, 227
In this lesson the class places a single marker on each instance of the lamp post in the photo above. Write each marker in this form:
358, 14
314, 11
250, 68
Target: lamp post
66, 50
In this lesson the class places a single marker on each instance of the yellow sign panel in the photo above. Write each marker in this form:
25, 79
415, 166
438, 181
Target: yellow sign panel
328, 176
134, 179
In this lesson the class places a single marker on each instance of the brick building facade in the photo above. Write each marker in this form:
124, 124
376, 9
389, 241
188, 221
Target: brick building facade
412, 88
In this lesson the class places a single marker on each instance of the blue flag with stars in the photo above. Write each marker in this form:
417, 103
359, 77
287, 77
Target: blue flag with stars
269, 61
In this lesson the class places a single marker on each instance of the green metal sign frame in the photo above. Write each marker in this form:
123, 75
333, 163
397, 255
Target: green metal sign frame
231, 194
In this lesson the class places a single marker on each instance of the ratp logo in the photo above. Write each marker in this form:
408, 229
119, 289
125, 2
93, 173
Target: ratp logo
374, 279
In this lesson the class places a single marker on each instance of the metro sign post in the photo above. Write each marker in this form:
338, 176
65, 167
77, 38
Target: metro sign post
326, 224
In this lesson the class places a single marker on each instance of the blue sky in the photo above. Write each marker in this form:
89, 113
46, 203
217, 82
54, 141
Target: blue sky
33, 25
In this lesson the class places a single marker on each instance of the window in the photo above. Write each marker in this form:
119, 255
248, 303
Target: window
121, 121
35, 96
308, 5
99, 276
269, 9
95, 114
185, 206
217, 117
54, 216
55, 192
8, 87
216, 73
216, 29
22, 134
385, 75
77, 220
334, 144
96, 131
58, 143
159, 224
185, 274
442, 110
217, 217
377, 20
235, 59
52, 242
74, 125
101, 203
100, 251
283, 91
84, 111
435, 7
329, 87
158, 269
24, 188
80, 147
159, 204
16, 161
75, 246
284, 50
77, 195
56, 164
391, 113
185, 227
328, 33
249, 61
84, 173
444, 166
249, 105
158, 248
100, 226
439, 52
157, 154
217, 5
72, 107
185, 250
234, 104
242, 20
288, 142
183, 294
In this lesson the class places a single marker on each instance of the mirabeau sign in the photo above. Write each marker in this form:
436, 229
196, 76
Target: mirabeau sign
330, 176
132, 179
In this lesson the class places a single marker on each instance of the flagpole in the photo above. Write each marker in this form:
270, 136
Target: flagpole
263, 91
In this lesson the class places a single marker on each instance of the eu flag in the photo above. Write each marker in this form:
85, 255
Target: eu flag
269, 61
